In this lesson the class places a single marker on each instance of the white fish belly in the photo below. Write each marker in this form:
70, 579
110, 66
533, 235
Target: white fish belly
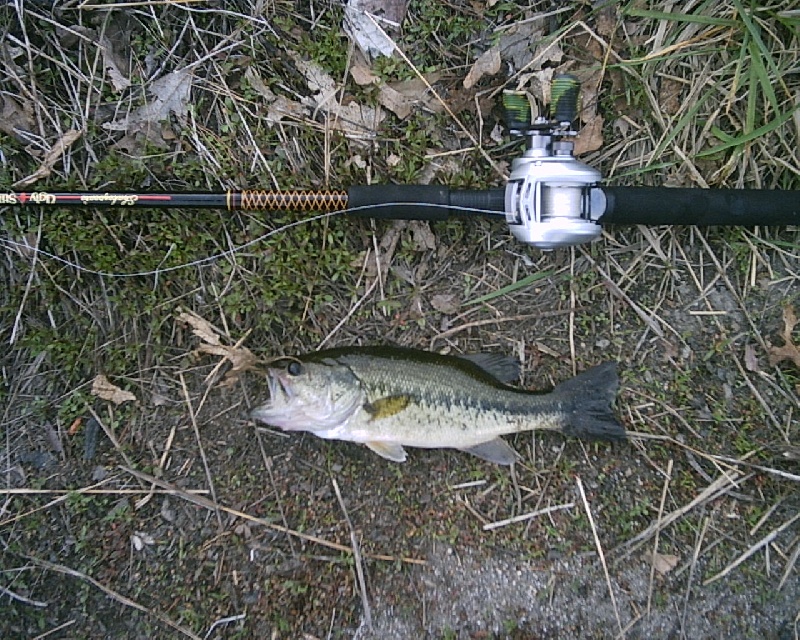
431, 427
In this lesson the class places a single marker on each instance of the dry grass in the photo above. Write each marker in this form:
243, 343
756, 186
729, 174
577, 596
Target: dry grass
187, 525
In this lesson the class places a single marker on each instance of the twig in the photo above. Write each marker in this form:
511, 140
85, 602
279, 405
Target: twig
720, 486
200, 445
758, 545
52, 503
60, 627
599, 551
527, 516
200, 501
15, 596
362, 583
222, 621
790, 565
349, 314
28, 285
655, 543
60, 568
695, 556
519, 318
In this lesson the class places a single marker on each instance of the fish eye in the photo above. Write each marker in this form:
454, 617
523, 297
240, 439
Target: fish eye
294, 368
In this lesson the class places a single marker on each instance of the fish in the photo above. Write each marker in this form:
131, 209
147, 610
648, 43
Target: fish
389, 398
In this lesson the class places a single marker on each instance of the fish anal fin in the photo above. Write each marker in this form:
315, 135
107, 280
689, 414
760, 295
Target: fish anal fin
497, 451
389, 450
387, 406
501, 367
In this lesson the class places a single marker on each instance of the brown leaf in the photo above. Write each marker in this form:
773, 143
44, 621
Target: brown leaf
363, 75
201, 327
241, 359
54, 155
170, 94
664, 563
104, 389
669, 96
399, 104
446, 303
750, 358
114, 65
16, 116
590, 137
422, 236
789, 350
487, 64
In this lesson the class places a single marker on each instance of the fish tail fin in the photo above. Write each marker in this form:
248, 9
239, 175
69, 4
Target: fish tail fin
590, 396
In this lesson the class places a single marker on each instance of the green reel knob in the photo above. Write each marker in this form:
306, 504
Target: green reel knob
564, 93
517, 108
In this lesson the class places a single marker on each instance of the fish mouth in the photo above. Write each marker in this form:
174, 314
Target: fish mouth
281, 395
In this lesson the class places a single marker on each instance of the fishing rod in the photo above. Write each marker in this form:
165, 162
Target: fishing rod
551, 199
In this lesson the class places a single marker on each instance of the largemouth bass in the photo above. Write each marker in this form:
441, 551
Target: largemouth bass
389, 398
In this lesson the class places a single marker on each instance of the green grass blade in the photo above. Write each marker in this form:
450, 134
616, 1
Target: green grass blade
760, 71
514, 286
686, 120
755, 33
678, 17
749, 137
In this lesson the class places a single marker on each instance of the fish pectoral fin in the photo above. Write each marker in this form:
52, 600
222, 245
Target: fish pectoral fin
389, 450
497, 451
387, 406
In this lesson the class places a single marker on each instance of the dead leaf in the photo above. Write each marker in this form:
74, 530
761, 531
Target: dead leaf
201, 327
606, 20
371, 23
517, 44
446, 303
170, 95
105, 390
54, 155
669, 96
285, 108
16, 117
423, 238
240, 358
362, 75
395, 101
590, 137
750, 358
789, 350
400, 97
114, 65
353, 119
664, 563
257, 82
8, 55
487, 64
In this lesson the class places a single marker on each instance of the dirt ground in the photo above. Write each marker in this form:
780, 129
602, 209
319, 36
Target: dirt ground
138, 498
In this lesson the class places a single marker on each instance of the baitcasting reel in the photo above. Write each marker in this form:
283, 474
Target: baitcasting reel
550, 199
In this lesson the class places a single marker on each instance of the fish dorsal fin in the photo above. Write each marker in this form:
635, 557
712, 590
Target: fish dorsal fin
389, 450
387, 406
497, 451
503, 368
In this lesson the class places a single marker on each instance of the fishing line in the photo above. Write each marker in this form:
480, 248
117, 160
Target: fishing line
23, 247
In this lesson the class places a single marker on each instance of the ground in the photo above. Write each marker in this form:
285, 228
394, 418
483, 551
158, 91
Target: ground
139, 500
